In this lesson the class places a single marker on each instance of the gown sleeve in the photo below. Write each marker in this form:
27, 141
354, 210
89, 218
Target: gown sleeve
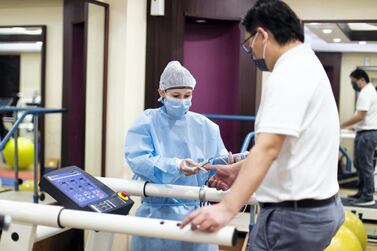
141, 156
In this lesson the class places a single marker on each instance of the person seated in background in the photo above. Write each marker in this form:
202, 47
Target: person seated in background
365, 120
164, 146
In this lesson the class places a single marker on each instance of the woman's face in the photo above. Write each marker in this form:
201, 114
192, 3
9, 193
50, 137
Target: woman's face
182, 93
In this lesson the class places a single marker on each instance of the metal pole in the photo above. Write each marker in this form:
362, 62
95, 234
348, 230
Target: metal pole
35, 194
16, 169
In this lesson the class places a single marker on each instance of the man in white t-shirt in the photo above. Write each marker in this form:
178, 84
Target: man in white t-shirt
365, 120
293, 165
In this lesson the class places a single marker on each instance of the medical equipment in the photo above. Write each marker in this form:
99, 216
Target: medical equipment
76, 189
33, 222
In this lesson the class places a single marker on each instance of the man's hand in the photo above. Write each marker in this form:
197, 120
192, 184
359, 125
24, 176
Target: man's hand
210, 218
189, 167
224, 177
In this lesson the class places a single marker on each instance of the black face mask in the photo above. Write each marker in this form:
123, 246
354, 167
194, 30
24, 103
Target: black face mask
260, 63
355, 87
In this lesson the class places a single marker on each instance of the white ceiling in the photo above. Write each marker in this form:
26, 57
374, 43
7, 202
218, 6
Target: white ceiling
320, 41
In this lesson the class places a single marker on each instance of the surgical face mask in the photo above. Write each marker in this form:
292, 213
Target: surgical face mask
176, 107
355, 86
259, 63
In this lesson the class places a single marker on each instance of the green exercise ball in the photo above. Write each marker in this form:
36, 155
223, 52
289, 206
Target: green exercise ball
353, 223
344, 240
25, 153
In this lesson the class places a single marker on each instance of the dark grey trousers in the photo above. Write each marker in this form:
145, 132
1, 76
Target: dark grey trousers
300, 229
365, 145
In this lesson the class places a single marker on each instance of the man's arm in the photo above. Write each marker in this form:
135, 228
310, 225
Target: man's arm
359, 116
251, 175
254, 169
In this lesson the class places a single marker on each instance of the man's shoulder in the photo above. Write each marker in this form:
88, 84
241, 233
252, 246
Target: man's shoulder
368, 92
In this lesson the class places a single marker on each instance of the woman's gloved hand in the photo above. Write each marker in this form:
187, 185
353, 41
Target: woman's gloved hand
232, 159
189, 167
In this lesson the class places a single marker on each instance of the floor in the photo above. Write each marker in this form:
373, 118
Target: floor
371, 247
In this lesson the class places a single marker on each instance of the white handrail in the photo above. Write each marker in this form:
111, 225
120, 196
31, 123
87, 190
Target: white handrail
140, 188
57, 216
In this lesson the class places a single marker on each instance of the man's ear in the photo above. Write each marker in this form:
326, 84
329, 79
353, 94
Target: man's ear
264, 33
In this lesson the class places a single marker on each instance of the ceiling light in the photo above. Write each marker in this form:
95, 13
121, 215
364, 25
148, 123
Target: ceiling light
326, 31
337, 40
362, 26
201, 21
362, 42
21, 31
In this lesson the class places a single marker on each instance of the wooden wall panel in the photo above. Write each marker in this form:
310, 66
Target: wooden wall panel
73, 122
222, 9
164, 43
331, 61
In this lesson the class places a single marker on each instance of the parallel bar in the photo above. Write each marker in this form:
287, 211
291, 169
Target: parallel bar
136, 188
230, 117
31, 213
245, 145
11, 131
32, 110
26, 111
35, 172
156, 228
16, 161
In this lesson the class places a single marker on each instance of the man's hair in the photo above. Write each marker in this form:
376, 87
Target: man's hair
277, 17
360, 74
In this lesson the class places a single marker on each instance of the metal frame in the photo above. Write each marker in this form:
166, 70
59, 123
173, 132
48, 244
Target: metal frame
36, 112
105, 73
364, 213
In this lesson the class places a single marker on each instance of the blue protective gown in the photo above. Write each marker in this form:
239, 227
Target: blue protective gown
155, 146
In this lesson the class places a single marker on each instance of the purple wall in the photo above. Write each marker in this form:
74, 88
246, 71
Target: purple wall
211, 53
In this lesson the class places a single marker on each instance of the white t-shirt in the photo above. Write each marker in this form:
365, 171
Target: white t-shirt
297, 101
367, 101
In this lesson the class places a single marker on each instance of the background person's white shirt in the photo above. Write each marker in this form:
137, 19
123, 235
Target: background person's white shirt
297, 101
367, 101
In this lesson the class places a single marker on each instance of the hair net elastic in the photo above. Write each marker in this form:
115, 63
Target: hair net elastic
175, 75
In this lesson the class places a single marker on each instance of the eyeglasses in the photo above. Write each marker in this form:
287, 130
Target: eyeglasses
245, 44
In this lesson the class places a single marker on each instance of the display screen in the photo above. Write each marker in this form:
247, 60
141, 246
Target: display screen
77, 187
